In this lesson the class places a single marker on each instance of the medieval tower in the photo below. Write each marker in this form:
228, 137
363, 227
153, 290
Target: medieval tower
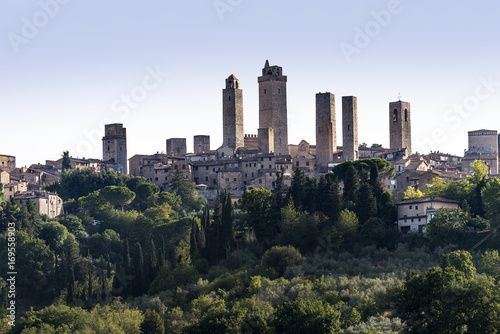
272, 105
114, 146
400, 125
232, 114
350, 128
201, 144
326, 133
176, 147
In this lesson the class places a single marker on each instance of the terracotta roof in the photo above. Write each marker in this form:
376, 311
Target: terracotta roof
428, 199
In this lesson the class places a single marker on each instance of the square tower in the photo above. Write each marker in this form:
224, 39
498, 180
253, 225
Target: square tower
201, 144
350, 128
400, 125
114, 146
232, 114
176, 147
326, 132
272, 105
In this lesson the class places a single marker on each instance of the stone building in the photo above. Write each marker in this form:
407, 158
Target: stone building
483, 145
7, 162
114, 146
232, 114
400, 125
326, 131
177, 147
251, 141
273, 105
304, 158
350, 144
47, 203
201, 144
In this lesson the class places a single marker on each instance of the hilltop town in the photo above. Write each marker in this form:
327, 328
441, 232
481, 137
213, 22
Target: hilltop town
247, 161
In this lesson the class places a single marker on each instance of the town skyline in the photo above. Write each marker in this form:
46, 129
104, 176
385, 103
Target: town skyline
69, 79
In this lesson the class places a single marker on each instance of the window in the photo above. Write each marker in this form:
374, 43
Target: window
269, 159
230, 98
411, 207
348, 127
416, 207
270, 166
234, 180
227, 179
279, 90
206, 178
297, 164
183, 166
406, 115
260, 180
166, 178
307, 163
265, 91
395, 115
156, 179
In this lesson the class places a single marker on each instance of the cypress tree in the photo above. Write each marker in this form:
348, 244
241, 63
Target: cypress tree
90, 289
216, 224
71, 287
366, 206
153, 261
193, 242
351, 187
139, 283
298, 189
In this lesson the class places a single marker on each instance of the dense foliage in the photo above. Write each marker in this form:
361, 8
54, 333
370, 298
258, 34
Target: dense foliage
323, 256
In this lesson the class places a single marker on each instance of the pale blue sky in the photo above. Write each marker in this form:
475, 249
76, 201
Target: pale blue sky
63, 80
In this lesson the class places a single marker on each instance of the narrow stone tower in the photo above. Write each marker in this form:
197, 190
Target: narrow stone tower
272, 105
400, 125
266, 140
350, 128
326, 132
114, 146
232, 114
201, 144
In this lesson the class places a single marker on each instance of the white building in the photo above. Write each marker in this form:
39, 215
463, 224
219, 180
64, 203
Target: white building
415, 214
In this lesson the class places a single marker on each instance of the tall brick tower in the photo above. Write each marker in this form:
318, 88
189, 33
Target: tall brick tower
326, 132
400, 125
272, 105
114, 146
350, 128
232, 114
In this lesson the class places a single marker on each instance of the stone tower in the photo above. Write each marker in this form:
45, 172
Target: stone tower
400, 125
266, 140
232, 114
272, 105
176, 146
326, 132
201, 144
114, 146
350, 128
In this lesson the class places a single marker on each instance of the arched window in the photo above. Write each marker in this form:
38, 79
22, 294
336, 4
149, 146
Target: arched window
406, 115
395, 115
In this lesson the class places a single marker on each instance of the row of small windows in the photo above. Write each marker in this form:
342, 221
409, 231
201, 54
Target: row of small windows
395, 115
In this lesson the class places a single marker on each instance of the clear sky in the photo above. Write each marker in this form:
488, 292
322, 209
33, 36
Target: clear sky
69, 66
